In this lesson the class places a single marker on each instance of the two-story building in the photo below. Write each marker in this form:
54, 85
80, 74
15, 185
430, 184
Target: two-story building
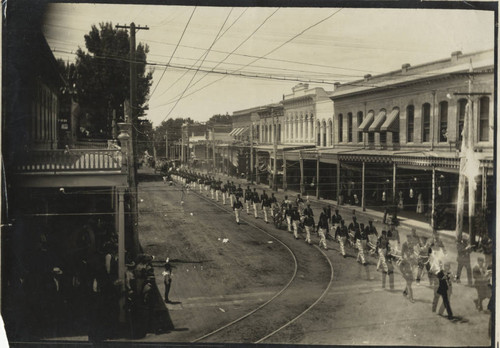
397, 136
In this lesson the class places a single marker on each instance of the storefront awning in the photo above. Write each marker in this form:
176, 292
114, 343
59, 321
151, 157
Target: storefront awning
234, 131
241, 132
363, 127
379, 120
391, 124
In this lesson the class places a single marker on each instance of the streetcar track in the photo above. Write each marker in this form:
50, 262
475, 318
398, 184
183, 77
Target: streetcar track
294, 276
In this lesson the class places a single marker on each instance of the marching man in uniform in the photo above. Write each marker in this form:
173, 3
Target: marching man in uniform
341, 235
224, 191
255, 201
309, 226
248, 199
322, 228
266, 204
361, 241
295, 217
237, 207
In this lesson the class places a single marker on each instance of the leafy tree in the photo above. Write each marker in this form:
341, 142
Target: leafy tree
101, 78
174, 129
220, 119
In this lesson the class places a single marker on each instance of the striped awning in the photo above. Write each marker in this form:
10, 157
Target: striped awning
391, 124
379, 120
363, 127
234, 131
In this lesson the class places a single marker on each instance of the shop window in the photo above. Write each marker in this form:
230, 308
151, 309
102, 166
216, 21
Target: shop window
410, 123
341, 128
484, 118
462, 104
383, 138
360, 120
426, 122
443, 122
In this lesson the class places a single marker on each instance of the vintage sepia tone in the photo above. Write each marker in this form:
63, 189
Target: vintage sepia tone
179, 174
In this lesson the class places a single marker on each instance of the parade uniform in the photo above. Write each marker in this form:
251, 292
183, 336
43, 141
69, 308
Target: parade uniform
248, 199
217, 190
341, 235
224, 191
239, 192
335, 220
382, 246
266, 205
237, 207
353, 228
212, 188
255, 201
295, 219
274, 204
308, 226
288, 215
322, 230
361, 241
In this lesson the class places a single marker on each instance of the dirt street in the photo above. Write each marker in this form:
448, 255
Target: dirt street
223, 271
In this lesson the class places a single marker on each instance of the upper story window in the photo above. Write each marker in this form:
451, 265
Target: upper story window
410, 123
462, 104
341, 128
443, 121
360, 120
349, 127
279, 133
426, 122
484, 119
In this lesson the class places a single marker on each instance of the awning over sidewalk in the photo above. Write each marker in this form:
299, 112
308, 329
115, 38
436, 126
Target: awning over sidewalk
391, 124
234, 131
363, 127
379, 120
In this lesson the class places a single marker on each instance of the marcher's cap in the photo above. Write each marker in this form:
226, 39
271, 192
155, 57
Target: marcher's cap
57, 270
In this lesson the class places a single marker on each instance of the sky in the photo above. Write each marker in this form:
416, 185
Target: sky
209, 48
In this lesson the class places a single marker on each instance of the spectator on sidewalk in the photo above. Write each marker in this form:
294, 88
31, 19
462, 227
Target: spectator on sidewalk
463, 259
481, 280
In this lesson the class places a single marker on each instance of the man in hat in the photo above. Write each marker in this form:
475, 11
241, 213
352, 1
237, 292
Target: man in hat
353, 228
237, 207
308, 226
167, 278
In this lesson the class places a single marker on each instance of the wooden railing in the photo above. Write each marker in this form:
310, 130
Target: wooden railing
70, 160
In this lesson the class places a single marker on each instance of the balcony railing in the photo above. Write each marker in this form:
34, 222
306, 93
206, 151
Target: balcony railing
70, 160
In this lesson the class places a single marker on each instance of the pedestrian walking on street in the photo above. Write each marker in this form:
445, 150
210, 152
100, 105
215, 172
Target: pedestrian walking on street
341, 236
167, 278
463, 259
322, 228
248, 199
382, 246
266, 205
309, 226
481, 280
448, 276
255, 201
237, 207
442, 290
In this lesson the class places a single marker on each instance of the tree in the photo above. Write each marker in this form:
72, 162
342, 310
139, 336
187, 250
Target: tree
101, 79
220, 119
174, 129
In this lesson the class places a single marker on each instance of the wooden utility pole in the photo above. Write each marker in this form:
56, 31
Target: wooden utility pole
166, 144
251, 154
275, 150
213, 148
133, 121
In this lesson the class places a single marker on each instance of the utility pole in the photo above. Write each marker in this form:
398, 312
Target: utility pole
213, 148
251, 154
275, 149
166, 144
133, 121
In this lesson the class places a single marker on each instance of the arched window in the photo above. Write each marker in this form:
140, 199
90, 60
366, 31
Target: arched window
426, 122
462, 104
443, 121
340, 128
349, 127
484, 119
329, 133
318, 132
360, 120
323, 130
410, 123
